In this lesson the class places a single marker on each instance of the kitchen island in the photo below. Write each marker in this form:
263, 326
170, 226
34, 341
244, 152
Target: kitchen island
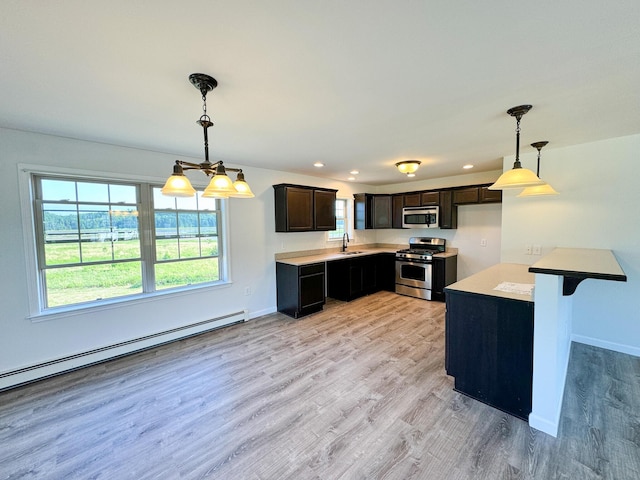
482, 322
489, 337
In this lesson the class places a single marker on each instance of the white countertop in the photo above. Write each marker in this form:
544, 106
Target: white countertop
484, 282
580, 262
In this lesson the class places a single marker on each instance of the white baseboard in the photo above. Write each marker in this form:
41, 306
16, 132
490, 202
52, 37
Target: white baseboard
14, 378
544, 425
616, 347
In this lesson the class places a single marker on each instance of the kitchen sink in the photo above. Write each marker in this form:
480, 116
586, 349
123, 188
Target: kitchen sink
350, 253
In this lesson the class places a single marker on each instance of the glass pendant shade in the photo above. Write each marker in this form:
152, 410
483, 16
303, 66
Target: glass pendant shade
242, 188
545, 189
220, 186
178, 185
516, 178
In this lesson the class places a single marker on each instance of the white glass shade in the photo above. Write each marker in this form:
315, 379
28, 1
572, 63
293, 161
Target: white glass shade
537, 190
516, 178
178, 186
220, 186
242, 190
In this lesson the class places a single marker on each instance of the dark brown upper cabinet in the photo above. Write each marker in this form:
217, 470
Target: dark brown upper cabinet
372, 211
476, 194
412, 200
300, 208
430, 199
465, 195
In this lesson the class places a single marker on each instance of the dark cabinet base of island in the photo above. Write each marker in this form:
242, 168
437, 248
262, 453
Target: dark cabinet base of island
489, 349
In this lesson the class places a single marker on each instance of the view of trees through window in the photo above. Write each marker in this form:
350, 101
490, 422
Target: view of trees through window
89, 244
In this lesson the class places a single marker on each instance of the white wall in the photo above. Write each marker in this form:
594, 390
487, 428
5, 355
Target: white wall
597, 208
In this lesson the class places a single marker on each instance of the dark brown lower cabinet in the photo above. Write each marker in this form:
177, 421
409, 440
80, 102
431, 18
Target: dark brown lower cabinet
300, 289
489, 349
354, 277
445, 272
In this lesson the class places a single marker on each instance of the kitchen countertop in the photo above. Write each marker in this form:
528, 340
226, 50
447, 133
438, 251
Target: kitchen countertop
331, 256
586, 262
578, 264
484, 282
337, 255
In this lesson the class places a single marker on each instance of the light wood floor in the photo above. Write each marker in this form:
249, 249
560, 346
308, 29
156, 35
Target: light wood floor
357, 391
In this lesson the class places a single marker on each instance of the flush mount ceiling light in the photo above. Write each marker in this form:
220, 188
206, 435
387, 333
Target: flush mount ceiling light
517, 177
318, 164
409, 167
537, 190
220, 186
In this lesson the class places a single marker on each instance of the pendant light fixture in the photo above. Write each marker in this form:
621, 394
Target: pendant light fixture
409, 167
517, 177
536, 190
220, 186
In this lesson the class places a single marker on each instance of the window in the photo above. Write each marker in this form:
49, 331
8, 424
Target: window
342, 224
98, 240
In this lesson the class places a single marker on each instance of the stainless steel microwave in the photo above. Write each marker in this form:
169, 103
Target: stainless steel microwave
420, 217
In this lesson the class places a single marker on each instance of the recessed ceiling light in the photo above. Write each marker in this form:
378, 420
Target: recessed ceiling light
351, 178
467, 166
354, 172
318, 164
411, 174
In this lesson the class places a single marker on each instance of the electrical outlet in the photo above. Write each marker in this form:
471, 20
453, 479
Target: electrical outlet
483, 242
537, 250
247, 290
527, 249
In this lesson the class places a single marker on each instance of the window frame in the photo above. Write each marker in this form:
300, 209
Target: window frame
347, 225
35, 287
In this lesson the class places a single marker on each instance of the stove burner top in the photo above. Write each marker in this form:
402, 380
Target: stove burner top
421, 248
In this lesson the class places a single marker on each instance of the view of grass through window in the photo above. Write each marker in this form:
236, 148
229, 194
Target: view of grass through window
91, 247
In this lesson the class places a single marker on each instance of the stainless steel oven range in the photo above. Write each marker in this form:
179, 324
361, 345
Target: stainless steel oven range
414, 266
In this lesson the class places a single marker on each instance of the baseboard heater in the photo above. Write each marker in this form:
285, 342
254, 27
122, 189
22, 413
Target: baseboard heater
21, 376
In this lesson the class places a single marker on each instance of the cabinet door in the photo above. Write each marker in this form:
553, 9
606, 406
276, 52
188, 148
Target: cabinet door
412, 200
362, 211
382, 211
490, 196
448, 211
430, 198
397, 206
325, 209
465, 195
293, 208
311, 291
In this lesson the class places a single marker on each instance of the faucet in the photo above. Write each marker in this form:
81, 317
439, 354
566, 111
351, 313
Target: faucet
345, 240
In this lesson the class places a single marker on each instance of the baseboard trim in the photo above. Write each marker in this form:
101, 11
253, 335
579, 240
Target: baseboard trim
616, 347
31, 373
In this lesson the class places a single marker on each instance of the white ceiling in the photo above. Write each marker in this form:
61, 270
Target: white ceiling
358, 84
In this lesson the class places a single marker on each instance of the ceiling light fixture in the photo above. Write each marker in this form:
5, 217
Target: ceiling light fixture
354, 172
537, 190
517, 177
467, 166
409, 167
220, 186
318, 164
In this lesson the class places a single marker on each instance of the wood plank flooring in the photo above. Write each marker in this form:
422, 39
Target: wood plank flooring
357, 391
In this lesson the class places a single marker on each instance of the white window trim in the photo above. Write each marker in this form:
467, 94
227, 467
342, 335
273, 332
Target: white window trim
35, 314
349, 222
